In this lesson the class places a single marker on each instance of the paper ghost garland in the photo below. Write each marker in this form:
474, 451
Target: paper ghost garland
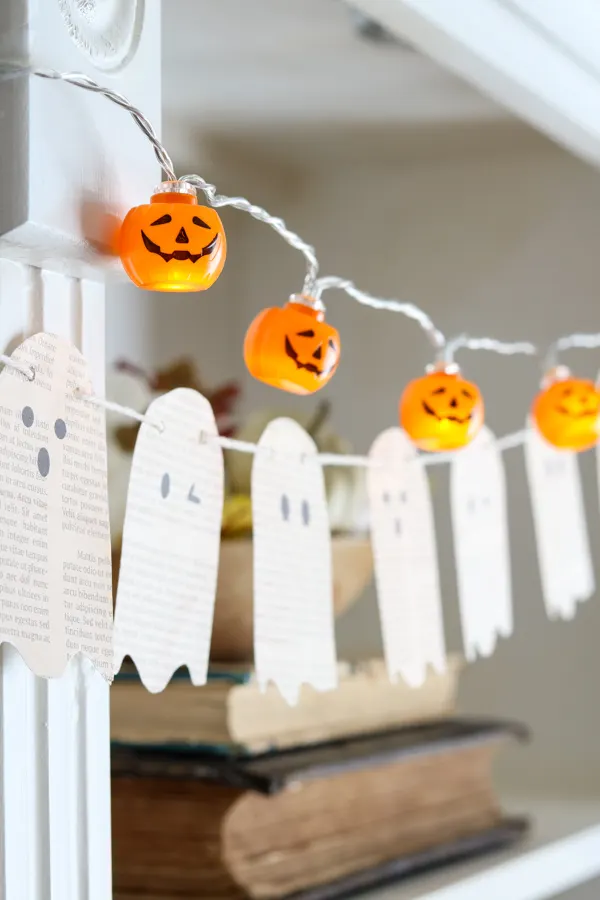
294, 640
55, 560
481, 547
560, 526
406, 567
171, 539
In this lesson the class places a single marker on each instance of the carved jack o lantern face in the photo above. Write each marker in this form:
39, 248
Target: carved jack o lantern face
441, 411
567, 412
172, 243
292, 348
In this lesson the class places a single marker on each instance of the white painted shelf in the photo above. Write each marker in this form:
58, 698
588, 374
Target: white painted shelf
562, 851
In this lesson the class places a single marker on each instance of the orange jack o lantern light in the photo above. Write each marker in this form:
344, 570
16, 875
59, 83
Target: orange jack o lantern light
566, 412
292, 347
172, 243
441, 411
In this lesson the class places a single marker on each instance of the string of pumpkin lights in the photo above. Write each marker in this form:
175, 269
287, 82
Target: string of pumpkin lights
440, 411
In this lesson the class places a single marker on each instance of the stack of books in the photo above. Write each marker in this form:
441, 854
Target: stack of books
227, 792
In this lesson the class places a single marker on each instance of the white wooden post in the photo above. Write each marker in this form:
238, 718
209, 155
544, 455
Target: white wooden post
66, 157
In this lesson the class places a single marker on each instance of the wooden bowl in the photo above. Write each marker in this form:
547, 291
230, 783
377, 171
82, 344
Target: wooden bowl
232, 639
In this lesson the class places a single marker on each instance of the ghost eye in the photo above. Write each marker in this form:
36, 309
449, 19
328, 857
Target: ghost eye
305, 512
165, 486
43, 462
164, 220
386, 497
200, 222
471, 505
60, 429
309, 333
27, 416
285, 507
440, 390
403, 497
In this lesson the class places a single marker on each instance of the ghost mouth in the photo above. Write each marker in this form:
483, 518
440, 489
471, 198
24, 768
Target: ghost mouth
584, 414
310, 367
179, 255
457, 419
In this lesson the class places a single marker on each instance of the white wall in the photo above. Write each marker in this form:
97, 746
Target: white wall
502, 243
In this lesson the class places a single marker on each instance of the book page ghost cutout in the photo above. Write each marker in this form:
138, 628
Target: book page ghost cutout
481, 547
55, 560
171, 540
560, 526
294, 641
406, 565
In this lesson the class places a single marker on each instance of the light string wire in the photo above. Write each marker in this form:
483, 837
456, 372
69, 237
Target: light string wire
491, 345
261, 215
78, 79
569, 342
435, 336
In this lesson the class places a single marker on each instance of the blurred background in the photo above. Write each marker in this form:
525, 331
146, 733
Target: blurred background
416, 186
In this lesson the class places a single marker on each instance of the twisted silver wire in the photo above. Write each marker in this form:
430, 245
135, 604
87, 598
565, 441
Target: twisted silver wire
435, 336
569, 342
276, 223
490, 344
88, 84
